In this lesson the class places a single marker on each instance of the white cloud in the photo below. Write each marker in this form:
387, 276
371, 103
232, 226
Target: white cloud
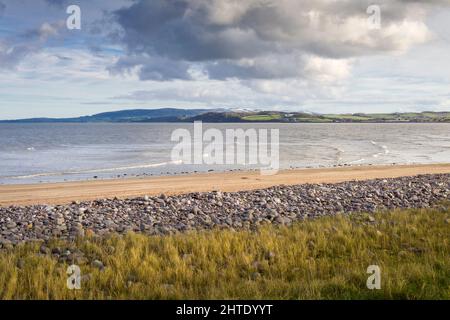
47, 30
327, 71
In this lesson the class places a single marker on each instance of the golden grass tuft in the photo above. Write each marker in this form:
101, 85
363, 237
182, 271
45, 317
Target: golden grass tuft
326, 258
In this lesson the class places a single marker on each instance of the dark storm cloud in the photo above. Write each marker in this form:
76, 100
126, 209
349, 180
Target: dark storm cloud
167, 28
219, 34
2, 8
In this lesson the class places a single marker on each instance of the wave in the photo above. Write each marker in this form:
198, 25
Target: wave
356, 161
62, 173
339, 153
384, 149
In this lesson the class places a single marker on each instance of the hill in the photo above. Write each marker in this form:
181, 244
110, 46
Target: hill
222, 115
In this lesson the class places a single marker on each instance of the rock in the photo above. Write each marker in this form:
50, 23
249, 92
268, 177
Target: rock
11, 225
416, 250
98, 264
77, 231
44, 250
232, 210
196, 210
190, 216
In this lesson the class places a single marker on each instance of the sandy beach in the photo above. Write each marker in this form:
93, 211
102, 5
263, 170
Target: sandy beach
61, 193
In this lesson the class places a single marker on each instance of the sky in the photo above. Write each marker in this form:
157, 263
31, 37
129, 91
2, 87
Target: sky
323, 56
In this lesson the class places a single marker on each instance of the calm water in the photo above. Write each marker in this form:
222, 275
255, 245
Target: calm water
58, 152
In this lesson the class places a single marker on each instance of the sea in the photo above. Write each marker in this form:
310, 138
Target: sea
49, 152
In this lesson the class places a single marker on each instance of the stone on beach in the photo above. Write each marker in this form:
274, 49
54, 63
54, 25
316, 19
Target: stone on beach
280, 205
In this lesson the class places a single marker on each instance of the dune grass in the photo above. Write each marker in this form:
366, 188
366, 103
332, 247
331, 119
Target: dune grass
326, 258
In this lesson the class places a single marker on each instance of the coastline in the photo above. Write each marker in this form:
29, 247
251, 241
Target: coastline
66, 192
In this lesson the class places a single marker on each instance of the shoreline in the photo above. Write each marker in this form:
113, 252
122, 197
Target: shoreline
242, 210
66, 192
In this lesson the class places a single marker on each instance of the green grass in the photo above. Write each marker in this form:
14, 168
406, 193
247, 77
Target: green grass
262, 117
428, 117
326, 258
392, 117
347, 117
313, 120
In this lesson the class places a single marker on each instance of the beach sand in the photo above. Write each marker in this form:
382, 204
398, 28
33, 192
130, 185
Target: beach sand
65, 192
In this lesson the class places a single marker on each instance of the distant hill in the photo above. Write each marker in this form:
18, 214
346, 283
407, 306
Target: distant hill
222, 115
136, 115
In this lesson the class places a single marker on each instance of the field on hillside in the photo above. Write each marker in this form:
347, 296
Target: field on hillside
326, 258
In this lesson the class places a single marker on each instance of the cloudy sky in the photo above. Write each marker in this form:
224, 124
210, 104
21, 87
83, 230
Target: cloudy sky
323, 56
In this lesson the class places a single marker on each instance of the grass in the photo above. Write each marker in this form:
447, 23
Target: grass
392, 117
326, 258
427, 117
347, 117
262, 117
313, 119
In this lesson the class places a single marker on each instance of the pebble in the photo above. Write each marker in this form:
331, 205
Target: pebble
98, 264
280, 205
11, 225
44, 250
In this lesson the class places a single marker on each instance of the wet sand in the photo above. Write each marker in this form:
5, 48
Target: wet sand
65, 192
